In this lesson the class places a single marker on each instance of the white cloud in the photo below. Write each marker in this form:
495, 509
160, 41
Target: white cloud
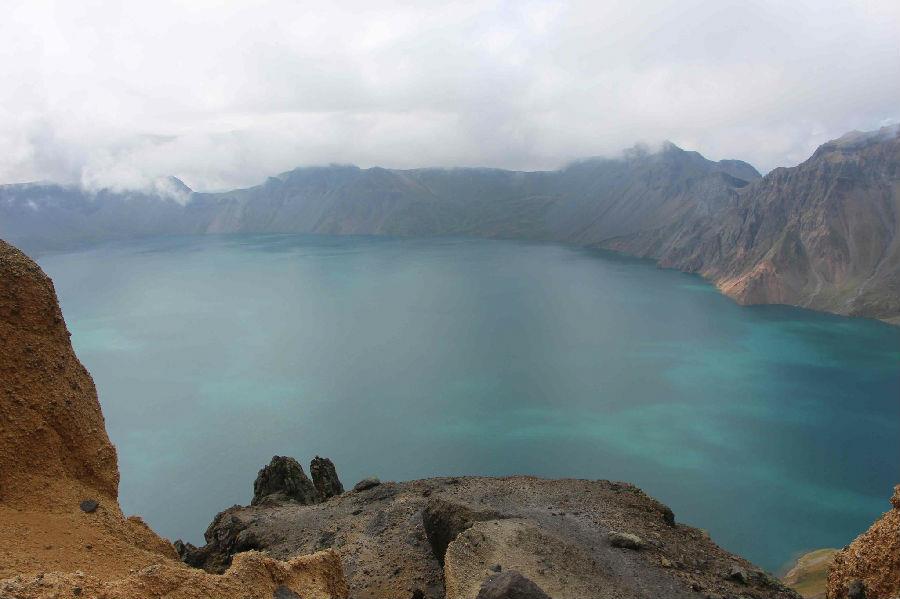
223, 94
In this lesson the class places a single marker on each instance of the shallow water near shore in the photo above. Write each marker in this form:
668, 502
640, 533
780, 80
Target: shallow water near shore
776, 429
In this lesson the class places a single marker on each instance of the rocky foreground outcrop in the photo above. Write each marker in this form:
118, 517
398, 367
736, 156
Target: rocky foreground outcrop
870, 566
470, 537
62, 532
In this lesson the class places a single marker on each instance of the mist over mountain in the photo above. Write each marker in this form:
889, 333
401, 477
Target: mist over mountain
822, 234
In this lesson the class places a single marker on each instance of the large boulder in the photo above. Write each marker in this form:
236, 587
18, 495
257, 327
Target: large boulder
284, 480
370, 482
444, 520
53, 439
325, 478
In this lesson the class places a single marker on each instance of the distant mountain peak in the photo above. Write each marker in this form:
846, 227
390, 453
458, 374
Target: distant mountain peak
644, 150
669, 146
857, 140
173, 188
740, 169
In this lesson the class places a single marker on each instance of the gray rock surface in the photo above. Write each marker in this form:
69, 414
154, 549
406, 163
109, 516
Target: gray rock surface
444, 520
367, 483
737, 574
554, 532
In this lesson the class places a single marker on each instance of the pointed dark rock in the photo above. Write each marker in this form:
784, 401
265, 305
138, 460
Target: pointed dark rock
325, 478
283, 480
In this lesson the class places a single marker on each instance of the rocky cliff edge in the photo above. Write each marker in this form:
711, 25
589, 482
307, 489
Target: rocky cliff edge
62, 532
869, 567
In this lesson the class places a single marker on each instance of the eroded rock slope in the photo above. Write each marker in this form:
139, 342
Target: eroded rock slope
823, 235
870, 565
62, 532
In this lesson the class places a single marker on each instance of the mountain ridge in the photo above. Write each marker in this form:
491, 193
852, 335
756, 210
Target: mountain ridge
821, 235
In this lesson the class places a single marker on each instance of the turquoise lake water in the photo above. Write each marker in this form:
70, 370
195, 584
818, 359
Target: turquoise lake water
776, 429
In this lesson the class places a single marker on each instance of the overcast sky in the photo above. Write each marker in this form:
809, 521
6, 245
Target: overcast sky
222, 94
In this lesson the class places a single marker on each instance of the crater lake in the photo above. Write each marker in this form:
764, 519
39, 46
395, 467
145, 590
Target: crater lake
775, 429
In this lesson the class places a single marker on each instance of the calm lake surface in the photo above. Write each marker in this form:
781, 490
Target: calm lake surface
775, 429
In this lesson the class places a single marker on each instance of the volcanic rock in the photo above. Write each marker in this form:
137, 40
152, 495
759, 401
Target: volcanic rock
367, 483
283, 480
737, 574
510, 585
871, 563
325, 478
553, 532
444, 520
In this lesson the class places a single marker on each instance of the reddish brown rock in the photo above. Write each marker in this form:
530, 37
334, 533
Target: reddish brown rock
872, 559
62, 532
824, 234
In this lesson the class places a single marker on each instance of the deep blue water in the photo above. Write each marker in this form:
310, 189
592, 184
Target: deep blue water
775, 429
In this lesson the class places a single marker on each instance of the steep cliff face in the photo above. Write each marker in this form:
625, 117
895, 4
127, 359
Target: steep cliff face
585, 202
871, 563
53, 438
59, 477
823, 235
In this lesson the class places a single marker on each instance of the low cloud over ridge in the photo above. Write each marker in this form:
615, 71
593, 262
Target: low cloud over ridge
222, 94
